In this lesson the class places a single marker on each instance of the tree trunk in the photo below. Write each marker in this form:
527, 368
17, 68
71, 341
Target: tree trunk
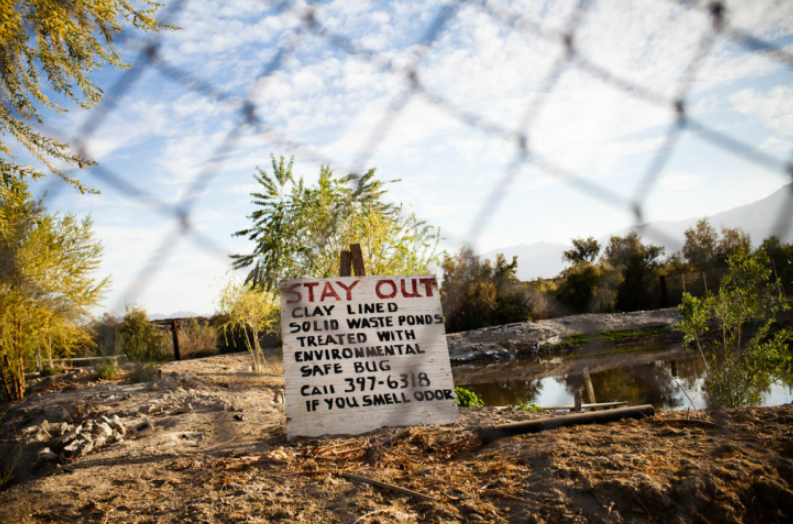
6, 365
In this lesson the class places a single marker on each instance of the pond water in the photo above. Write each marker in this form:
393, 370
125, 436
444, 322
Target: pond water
638, 377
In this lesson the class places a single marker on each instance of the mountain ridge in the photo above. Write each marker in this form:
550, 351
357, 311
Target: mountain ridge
759, 219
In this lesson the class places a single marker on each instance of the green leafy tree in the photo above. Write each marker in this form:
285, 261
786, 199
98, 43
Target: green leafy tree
476, 294
586, 286
47, 285
700, 247
299, 231
735, 333
640, 267
704, 249
584, 250
254, 312
733, 242
48, 50
579, 286
781, 257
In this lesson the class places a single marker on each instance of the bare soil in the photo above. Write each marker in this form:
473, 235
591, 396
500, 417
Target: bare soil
212, 449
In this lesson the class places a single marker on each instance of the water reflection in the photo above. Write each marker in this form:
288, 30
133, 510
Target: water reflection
637, 378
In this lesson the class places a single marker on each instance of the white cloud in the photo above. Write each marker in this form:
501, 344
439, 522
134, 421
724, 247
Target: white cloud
330, 104
676, 181
774, 107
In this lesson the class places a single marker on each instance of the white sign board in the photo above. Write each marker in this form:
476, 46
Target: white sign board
361, 353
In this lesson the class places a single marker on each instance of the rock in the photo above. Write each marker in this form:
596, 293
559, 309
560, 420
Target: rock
471, 352
77, 448
117, 425
47, 455
102, 429
192, 440
143, 427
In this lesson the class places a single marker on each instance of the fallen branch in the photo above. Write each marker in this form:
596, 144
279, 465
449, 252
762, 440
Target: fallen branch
489, 434
383, 485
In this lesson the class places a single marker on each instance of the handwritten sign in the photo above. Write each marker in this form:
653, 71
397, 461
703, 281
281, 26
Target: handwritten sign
361, 353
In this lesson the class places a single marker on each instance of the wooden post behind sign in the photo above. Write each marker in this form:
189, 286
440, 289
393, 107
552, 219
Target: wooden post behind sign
352, 262
357, 260
345, 265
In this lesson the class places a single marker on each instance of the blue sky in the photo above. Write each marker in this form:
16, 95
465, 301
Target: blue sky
322, 105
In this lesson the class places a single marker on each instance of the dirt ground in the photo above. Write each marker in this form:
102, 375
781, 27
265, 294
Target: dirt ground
206, 444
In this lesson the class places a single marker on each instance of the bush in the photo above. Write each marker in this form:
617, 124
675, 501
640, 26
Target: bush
197, 339
739, 371
9, 467
140, 340
48, 371
477, 295
144, 372
467, 399
522, 406
106, 370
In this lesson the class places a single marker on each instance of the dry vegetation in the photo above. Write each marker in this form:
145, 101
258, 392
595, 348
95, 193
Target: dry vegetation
217, 454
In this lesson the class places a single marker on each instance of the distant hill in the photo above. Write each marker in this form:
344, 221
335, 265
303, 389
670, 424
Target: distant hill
759, 219
175, 314
543, 259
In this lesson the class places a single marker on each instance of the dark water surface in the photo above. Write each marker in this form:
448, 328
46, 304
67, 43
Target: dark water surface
638, 377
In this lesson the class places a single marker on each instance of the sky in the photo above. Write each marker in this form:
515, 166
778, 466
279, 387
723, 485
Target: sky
499, 133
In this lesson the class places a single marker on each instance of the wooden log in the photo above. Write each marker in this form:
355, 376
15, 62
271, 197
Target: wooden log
383, 485
357, 260
577, 401
599, 405
489, 434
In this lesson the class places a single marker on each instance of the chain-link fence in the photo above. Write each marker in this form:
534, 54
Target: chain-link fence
571, 59
674, 467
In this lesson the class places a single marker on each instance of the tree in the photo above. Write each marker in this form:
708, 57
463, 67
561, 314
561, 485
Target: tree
781, 257
584, 250
733, 242
46, 284
47, 51
579, 286
253, 312
704, 250
700, 246
640, 265
739, 370
141, 340
300, 231
586, 286
476, 294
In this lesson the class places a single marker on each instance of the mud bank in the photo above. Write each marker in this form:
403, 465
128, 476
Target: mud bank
546, 336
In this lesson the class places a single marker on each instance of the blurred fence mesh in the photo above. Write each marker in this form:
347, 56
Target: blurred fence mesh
312, 24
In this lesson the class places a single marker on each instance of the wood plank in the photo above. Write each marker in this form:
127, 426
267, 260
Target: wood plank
362, 353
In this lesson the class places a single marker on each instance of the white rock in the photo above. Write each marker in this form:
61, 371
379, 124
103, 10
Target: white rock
103, 429
47, 455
